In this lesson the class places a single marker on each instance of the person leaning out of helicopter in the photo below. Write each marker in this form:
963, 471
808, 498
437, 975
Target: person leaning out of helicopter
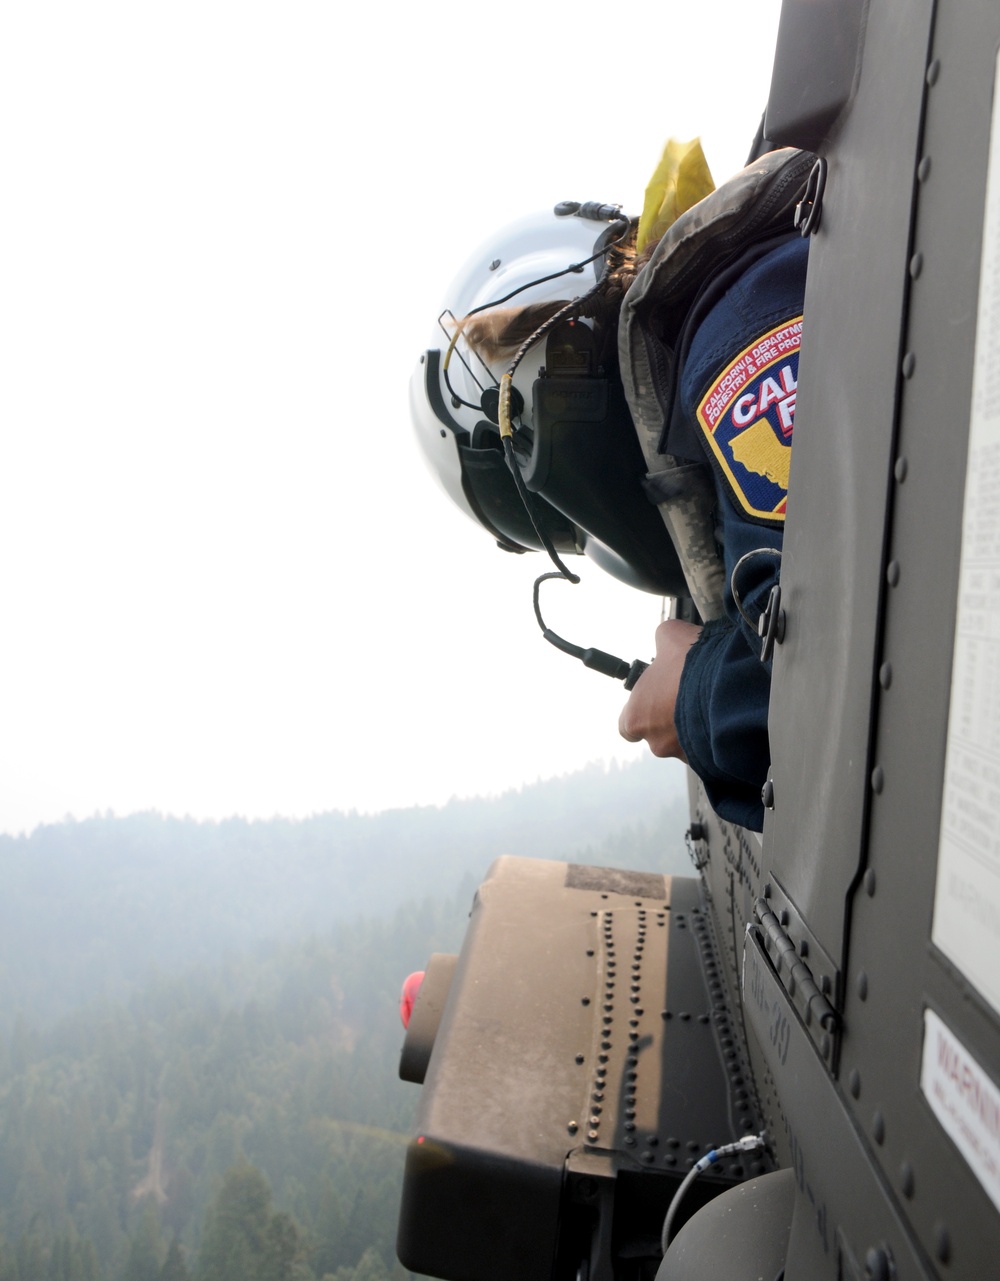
697, 318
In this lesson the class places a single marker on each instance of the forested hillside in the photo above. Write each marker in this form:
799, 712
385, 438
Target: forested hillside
275, 1076
90, 908
239, 1118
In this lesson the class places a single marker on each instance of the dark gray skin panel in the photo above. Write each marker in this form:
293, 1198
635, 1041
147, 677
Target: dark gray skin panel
860, 699
894, 972
817, 61
832, 571
841, 1212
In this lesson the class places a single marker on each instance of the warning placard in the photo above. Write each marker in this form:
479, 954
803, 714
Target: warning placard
967, 896
964, 1099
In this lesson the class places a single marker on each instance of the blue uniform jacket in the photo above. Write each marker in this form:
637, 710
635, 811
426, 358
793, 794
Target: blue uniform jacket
736, 399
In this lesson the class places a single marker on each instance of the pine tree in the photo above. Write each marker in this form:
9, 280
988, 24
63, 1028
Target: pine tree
331, 1228
370, 1267
144, 1257
174, 1268
281, 1249
60, 1263
243, 1240
84, 1264
30, 1258
236, 1224
8, 1263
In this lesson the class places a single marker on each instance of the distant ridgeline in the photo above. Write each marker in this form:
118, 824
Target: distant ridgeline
200, 1080
91, 908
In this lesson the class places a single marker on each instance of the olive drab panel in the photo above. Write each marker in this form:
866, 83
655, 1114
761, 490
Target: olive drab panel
918, 1013
891, 1120
832, 572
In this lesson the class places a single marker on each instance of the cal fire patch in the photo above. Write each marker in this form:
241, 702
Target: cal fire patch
746, 417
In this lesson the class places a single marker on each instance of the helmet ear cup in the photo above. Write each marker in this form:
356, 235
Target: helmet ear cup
586, 463
491, 493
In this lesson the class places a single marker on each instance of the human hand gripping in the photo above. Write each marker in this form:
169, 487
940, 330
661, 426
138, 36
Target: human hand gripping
649, 712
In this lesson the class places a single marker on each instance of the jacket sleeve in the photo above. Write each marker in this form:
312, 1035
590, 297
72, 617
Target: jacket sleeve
721, 721
721, 710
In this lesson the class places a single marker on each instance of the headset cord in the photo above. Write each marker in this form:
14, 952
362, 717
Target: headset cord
531, 509
596, 659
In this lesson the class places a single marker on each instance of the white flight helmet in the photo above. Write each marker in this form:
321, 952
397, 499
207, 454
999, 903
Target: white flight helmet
584, 466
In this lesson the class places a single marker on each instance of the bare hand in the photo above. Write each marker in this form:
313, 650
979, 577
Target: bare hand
649, 712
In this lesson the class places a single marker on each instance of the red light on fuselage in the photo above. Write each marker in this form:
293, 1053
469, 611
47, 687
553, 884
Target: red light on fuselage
411, 987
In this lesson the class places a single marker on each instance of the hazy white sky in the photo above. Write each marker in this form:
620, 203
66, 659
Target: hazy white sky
228, 584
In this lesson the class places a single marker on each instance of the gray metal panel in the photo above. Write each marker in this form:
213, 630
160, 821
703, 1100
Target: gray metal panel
893, 971
842, 1207
869, 1148
831, 573
816, 66
876, 1172
729, 861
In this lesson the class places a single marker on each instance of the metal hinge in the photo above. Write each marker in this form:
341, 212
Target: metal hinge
795, 976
